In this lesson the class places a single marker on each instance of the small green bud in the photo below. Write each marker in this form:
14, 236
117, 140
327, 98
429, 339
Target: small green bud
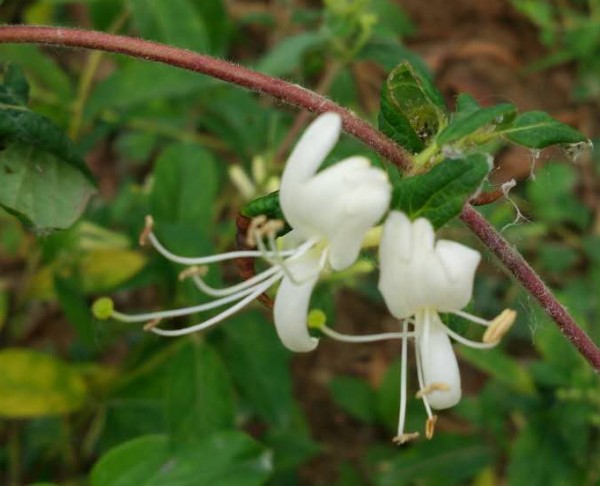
316, 318
103, 308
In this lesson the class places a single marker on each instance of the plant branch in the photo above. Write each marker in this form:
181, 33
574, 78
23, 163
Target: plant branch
232, 73
523, 272
305, 99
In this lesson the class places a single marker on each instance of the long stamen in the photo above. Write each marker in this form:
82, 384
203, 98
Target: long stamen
471, 317
467, 342
231, 255
402, 437
192, 309
283, 263
365, 338
212, 291
259, 289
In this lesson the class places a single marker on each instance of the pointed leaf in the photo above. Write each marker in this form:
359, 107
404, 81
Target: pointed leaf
199, 395
411, 110
221, 459
440, 194
537, 129
40, 188
468, 122
34, 384
260, 367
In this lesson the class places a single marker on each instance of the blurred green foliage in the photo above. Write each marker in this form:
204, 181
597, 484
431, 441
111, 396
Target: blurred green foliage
88, 402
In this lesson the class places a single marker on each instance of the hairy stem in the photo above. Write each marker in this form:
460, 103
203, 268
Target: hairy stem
217, 68
308, 100
530, 280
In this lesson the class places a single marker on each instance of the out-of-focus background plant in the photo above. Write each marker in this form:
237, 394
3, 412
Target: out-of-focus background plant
89, 402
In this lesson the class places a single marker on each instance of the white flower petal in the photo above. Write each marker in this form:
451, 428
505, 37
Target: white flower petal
339, 205
304, 161
290, 313
439, 365
416, 275
460, 263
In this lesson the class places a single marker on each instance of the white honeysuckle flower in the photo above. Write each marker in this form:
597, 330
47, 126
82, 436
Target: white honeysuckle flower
419, 278
330, 212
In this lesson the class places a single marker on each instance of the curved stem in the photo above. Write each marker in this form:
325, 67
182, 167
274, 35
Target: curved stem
306, 99
217, 68
523, 272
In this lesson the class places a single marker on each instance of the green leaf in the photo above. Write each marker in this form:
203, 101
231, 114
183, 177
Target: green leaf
41, 69
466, 103
137, 83
286, 56
467, 122
176, 22
43, 179
33, 384
267, 205
537, 129
260, 367
221, 459
446, 460
553, 196
440, 194
41, 188
76, 309
185, 185
182, 198
356, 397
411, 111
199, 395
505, 369
538, 456
15, 89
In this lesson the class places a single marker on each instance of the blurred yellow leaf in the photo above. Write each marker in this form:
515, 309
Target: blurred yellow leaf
34, 384
99, 270
104, 269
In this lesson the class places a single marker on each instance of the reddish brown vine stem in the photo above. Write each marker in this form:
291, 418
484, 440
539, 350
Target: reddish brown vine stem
306, 99
217, 68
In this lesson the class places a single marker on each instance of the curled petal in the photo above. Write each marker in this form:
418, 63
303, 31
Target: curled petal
339, 205
459, 262
306, 158
440, 368
416, 275
290, 313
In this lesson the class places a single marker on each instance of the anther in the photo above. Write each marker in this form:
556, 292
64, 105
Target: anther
196, 270
254, 226
499, 326
431, 388
152, 324
272, 227
146, 231
404, 438
430, 426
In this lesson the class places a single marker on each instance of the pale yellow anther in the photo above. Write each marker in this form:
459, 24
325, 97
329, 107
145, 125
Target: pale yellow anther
430, 426
272, 227
196, 270
404, 438
152, 324
254, 226
499, 326
431, 388
146, 231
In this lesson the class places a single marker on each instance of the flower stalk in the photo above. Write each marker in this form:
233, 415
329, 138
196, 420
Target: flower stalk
306, 99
